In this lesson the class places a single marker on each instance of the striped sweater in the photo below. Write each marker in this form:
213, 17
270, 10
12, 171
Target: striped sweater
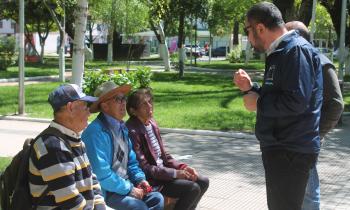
65, 171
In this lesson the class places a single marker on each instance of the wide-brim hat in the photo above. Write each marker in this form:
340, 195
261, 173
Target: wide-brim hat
107, 91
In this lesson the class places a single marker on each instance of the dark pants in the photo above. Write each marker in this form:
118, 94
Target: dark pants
187, 192
286, 175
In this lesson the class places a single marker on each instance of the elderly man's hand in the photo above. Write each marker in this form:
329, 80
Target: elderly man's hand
250, 101
242, 80
137, 193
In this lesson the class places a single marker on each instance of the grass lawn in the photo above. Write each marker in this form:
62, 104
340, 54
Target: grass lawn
50, 67
225, 64
4, 161
200, 101
35, 69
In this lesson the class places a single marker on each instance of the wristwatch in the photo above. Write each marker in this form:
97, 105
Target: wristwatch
255, 88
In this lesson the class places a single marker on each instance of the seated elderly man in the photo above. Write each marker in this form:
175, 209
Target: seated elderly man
173, 178
60, 175
112, 157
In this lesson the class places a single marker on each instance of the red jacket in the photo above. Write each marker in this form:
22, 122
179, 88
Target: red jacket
156, 175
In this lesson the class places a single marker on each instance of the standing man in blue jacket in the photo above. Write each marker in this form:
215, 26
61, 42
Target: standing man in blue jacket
332, 108
287, 104
111, 155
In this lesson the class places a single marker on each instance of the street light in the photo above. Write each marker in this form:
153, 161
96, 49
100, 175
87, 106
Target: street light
21, 95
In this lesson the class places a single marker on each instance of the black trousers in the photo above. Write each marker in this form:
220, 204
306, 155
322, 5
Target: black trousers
187, 192
286, 175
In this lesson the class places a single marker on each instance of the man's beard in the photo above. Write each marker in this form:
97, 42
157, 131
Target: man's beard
258, 47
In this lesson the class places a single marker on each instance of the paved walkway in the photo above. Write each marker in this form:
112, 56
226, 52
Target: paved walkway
233, 164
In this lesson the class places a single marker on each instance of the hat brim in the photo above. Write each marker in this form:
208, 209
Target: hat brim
124, 89
90, 99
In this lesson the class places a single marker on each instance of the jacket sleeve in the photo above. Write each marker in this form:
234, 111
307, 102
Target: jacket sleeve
99, 203
156, 172
333, 104
99, 149
297, 84
135, 173
172, 162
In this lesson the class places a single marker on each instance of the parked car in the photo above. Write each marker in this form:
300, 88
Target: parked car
219, 51
196, 50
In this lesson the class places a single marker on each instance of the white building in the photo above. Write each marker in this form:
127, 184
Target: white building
7, 27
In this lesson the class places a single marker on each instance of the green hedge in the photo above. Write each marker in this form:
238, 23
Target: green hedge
139, 78
7, 51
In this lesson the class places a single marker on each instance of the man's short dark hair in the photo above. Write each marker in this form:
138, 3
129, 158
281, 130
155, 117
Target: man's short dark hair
267, 14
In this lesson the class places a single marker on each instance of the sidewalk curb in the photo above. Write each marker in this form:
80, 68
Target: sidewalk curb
229, 134
38, 78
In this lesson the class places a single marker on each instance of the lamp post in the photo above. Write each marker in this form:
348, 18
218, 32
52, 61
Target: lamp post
313, 25
21, 95
342, 40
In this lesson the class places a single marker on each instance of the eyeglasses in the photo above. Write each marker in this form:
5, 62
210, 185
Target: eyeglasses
245, 29
121, 99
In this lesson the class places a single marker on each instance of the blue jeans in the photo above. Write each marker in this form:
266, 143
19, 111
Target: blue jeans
312, 192
152, 201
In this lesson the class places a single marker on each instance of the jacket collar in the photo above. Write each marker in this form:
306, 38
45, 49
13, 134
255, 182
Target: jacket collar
282, 42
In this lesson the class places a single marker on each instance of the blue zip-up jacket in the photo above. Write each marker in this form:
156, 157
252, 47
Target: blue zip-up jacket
288, 109
99, 148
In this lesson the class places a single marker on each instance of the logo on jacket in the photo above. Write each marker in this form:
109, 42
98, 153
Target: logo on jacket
269, 75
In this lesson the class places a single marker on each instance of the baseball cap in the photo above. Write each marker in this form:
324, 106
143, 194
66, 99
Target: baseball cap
68, 93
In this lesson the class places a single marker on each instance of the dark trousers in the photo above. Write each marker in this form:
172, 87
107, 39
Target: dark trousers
187, 192
286, 175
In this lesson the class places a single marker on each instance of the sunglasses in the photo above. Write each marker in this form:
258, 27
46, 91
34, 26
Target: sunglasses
121, 99
245, 29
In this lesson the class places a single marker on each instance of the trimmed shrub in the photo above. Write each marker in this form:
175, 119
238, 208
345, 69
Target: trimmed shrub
7, 51
235, 55
143, 76
139, 78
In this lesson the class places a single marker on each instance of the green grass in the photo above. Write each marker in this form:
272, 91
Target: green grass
199, 101
4, 161
225, 64
50, 67
35, 69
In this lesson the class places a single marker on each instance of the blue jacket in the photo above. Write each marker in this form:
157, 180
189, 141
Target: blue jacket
288, 109
99, 147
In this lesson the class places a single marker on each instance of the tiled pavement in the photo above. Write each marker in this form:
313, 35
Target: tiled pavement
236, 173
232, 164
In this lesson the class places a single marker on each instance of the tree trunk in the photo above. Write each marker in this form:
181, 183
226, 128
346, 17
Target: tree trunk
78, 43
210, 46
334, 11
92, 51
164, 48
110, 45
305, 12
235, 33
180, 43
287, 9
42, 45
62, 29
91, 38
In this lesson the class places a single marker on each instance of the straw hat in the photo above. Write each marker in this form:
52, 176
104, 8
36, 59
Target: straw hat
106, 91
